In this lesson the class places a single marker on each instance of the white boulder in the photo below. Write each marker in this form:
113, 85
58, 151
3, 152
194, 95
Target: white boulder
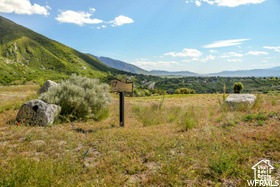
37, 112
46, 86
234, 99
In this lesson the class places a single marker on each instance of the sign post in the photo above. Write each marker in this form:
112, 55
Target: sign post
122, 109
121, 86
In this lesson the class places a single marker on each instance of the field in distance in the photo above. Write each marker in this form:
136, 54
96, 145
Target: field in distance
189, 140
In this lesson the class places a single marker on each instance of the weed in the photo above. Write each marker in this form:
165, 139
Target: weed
188, 120
28, 138
224, 94
272, 114
260, 123
225, 163
161, 102
231, 121
258, 102
273, 101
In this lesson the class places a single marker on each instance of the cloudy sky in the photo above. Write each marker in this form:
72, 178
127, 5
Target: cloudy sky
202, 36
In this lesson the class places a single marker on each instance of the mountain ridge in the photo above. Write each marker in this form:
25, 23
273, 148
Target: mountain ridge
121, 65
27, 55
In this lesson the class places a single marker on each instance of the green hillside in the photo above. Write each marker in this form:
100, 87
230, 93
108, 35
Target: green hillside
28, 56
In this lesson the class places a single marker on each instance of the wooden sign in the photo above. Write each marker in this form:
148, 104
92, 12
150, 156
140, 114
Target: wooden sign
121, 86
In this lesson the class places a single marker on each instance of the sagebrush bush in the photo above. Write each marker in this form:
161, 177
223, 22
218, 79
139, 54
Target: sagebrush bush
80, 98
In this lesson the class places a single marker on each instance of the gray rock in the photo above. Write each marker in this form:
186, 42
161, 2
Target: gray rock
37, 112
234, 99
46, 86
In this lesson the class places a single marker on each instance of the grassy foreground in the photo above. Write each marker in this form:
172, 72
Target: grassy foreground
179, 141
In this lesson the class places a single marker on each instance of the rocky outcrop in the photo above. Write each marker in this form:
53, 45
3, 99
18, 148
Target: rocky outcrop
37, 112
46, 86
235, 99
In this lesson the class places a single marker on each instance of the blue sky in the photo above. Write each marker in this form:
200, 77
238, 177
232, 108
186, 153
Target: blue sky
202, 36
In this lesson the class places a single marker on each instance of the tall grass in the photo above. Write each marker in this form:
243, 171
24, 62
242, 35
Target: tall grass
186, 118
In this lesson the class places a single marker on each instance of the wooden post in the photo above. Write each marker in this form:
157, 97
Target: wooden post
122, 109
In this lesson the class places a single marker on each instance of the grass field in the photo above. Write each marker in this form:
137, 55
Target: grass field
181, 140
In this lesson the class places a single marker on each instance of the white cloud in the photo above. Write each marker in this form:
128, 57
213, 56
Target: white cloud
213, 51
190, 60
209, 57
234, 60
92, 10
120, 20
256, 53
225, 43
209, 2
150, 65
232, 54
79, 18
277, 49
187, 1
22, 7
198, 3
230, 3
103, 26
186, 53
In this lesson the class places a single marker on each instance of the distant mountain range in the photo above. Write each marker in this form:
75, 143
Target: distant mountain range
271, 72
175, 73
120, 65
123, 66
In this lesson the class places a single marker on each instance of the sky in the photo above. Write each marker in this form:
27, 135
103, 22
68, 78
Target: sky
202, 36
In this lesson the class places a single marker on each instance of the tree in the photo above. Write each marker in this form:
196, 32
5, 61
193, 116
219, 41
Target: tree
238, 87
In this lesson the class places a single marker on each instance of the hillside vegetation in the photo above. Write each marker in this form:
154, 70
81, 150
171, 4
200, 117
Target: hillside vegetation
216, 84
181, 140
26, 55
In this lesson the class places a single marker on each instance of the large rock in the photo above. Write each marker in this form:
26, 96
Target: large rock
235, 99
46, 86
37, 112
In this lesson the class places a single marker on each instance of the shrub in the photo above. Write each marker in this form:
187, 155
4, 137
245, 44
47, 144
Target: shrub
80, 98
184, 91
238, 87
159, 92
147, 93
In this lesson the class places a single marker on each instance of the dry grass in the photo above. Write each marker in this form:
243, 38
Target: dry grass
220, 149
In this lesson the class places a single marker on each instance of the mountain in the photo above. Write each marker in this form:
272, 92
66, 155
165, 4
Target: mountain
175, 73
26, 55
120, 65
271, 72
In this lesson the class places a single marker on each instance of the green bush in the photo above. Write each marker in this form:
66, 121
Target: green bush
80, 98
238, 87
159, 92
184, 91
147, 93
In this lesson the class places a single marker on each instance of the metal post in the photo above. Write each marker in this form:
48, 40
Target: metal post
122, 109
